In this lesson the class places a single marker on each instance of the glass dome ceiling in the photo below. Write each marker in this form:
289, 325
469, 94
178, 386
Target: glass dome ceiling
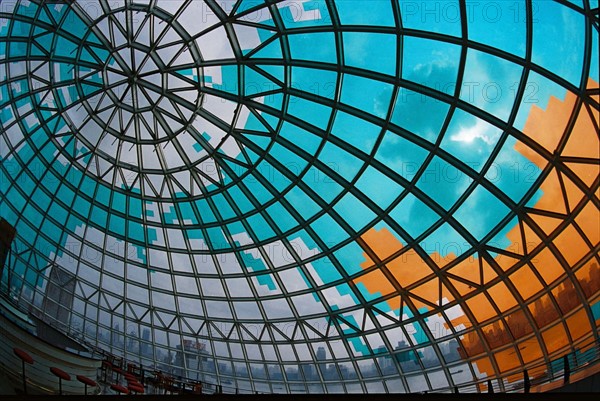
313, 196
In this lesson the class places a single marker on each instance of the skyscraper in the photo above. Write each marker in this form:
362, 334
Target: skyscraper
145, 344
58, 301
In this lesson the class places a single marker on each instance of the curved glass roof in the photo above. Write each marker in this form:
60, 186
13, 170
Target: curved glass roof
306, 196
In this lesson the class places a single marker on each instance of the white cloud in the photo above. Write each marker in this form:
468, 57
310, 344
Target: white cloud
481, 130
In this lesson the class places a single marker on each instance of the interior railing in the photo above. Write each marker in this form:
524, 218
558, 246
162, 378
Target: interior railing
560, 370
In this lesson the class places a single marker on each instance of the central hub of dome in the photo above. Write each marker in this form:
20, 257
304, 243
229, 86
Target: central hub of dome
135, 88
159, 99
149, 79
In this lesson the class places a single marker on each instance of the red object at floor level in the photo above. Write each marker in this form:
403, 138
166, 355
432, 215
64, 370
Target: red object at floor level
25, 358
119, 389
136, 388
62, 375
87, 382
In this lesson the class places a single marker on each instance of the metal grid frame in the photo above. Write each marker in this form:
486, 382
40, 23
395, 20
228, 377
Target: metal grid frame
175, 328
